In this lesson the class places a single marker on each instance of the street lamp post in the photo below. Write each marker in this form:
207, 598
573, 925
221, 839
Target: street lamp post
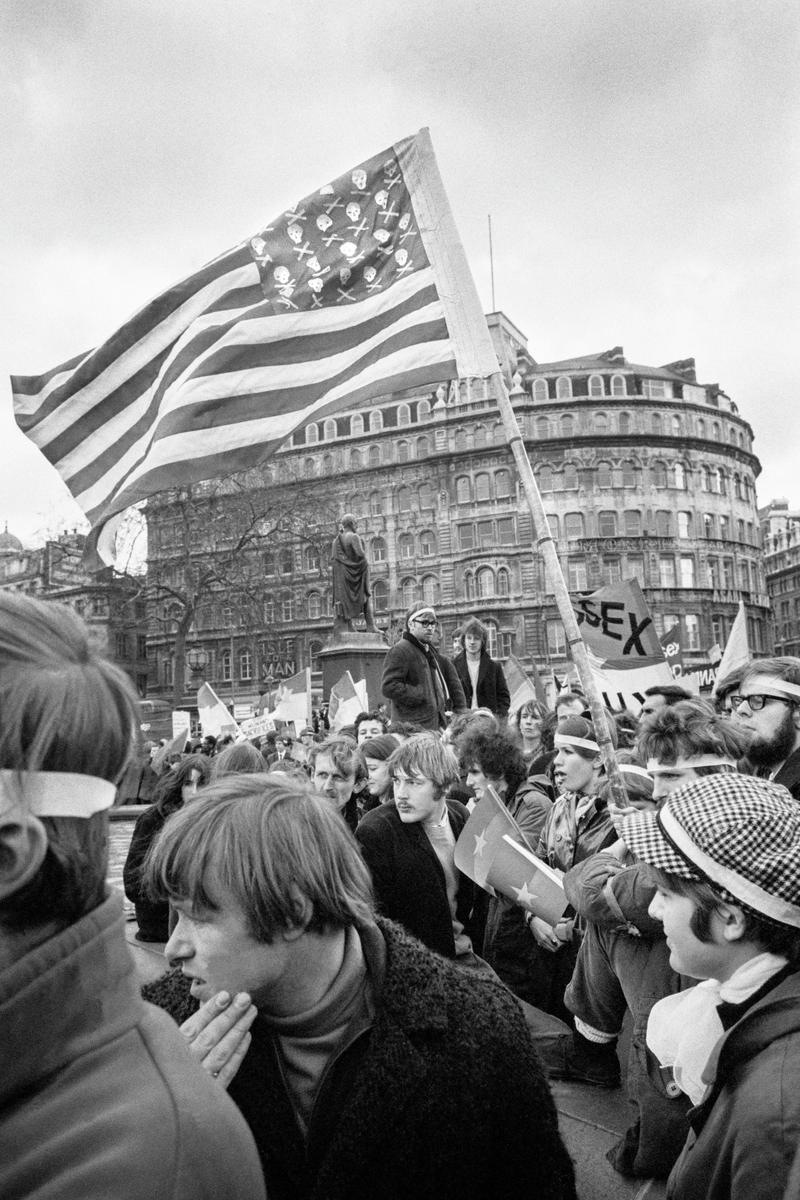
197, 661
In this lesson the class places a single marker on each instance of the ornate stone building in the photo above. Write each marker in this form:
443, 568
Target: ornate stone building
644, 472
780, 537
109, 604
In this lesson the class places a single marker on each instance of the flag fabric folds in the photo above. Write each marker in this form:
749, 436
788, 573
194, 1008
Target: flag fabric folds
214, 716
360, 289
520, 686
345, 702
294, 699
491, 850
737, 650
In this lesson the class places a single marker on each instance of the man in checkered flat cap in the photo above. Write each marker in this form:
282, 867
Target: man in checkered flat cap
726, 854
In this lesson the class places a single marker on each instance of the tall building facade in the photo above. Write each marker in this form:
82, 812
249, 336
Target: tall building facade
644, 472
780, 538
110, 605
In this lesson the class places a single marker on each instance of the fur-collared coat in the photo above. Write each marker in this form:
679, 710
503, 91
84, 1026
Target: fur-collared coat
441, 1098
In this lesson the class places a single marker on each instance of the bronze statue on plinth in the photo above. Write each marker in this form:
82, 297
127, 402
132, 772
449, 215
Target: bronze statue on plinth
351, 592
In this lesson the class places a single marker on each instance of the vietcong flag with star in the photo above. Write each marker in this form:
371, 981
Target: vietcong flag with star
492, 851
360, 289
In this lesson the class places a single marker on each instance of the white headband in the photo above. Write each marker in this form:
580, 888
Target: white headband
631, 769
55, 793
779, 685
566, 739
655, 767
420, 611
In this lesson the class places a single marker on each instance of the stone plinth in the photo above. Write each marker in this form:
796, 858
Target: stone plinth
361, 654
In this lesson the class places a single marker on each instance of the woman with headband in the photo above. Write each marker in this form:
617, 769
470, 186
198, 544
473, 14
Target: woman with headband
577, 826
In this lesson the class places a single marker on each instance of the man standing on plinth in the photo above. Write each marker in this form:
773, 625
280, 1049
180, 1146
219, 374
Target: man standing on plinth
351, 594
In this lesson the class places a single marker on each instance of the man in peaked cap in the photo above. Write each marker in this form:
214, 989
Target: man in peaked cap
98, 1094
726, 854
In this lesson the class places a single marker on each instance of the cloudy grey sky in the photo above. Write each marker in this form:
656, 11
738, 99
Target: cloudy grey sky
639, 161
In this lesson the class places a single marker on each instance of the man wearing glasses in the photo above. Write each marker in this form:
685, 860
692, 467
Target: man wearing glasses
422, 686
767, 707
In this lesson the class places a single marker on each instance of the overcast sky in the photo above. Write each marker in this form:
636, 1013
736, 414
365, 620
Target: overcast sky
639, 161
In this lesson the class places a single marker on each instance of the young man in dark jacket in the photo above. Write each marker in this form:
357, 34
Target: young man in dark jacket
362, 1054
481, 677
422, 686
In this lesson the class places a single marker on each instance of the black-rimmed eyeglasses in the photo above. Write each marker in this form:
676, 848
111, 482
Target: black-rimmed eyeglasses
429, 624
756, 702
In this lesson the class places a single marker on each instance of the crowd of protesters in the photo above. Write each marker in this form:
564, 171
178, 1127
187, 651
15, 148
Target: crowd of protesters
359, 998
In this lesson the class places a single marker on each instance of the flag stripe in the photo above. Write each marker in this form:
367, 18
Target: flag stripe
32, 385
155, 315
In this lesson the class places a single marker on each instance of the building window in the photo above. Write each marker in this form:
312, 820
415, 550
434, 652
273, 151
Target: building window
430, 589
269, 610
554, 525
380, 595
491, 640
659, 472
633, 522
612, 570
463, 490
604, 479
356, 425
469, 585
423, 448
403, 499
545, 479
656, 424
226, 666
311, 558
503, 588
570, 477
628, 473
654, 389
479, 436
376, 504
692, 631
376, 421
486, 535
607, 523
402, 452
427, 543
708, 525
663, 523
374, 456
724, 527
556, 640
634, 564
466, 537
425, 495
540, 391
679, 476
502, 484
573, 525
666, 571
701, 428
310, 467
596, 389
624, 421
378, 550
687, 571
405, 545
505, 644
355, 460
506, 535
542, 426
684, 524
618, 386
576, 575
245, 664
408, 591
330, 430
727, 573
485, 581
314, 605
403, 415
423, 410
482, 487
567, 425
563, 388
226, 616
713, 573
676, 426
167, 673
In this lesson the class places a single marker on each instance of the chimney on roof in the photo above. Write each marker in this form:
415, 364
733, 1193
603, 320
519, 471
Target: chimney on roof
616, 354
684, 367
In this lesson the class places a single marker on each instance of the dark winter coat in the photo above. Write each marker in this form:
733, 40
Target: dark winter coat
152, 916
492, 688
746, 1129
407, 683
409, 881
442, 1098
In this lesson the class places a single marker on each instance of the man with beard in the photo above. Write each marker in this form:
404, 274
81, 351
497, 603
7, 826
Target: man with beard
767, 706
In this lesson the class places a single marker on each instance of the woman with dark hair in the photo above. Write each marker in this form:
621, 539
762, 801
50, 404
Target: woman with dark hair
527, 723
172, 792
494, 759
376, 752
481, 677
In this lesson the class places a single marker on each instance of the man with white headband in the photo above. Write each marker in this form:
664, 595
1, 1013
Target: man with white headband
98, 1094
767, 706
423, 686
726, 857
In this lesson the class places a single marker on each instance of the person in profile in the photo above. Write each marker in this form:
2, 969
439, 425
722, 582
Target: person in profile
351, 594
99, 1096
367, 1066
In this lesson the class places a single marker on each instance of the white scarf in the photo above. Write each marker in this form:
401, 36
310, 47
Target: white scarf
682, 1030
